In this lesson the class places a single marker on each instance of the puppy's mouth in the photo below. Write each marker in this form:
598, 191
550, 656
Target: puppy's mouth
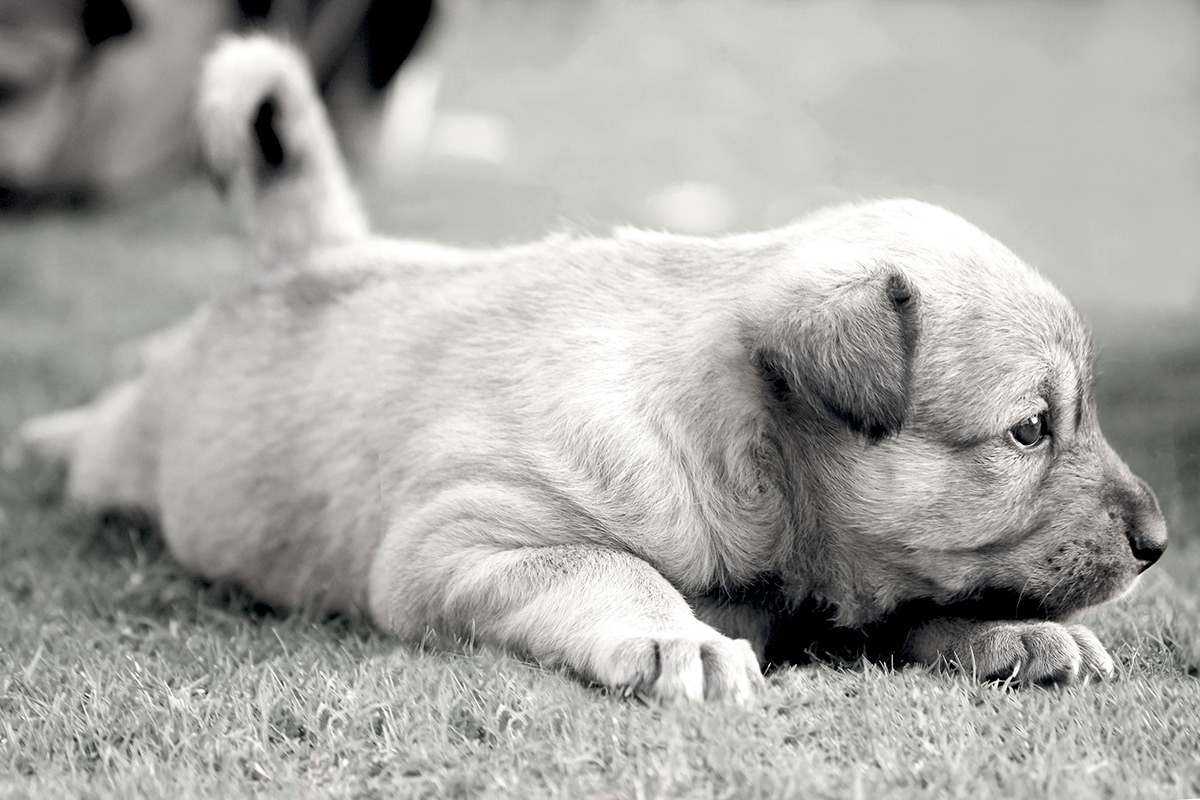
999, 604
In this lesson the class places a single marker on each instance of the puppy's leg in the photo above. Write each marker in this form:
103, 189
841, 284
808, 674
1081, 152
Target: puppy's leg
606, 614
108, 448
1027, 652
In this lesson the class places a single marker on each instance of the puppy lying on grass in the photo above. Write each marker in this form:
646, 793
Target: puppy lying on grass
638, 457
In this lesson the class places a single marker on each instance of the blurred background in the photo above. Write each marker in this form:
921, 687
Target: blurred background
1069, 130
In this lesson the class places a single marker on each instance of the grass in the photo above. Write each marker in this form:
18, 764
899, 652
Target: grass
124, 677
121, 676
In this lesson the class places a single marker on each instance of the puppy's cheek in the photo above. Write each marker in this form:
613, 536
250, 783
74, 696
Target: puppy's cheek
1090, 584
937, 516
933, 497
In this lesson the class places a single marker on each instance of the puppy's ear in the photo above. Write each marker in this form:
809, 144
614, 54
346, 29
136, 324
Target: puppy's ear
850, 353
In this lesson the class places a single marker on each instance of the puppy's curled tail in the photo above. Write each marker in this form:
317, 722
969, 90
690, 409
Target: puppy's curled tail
259, 114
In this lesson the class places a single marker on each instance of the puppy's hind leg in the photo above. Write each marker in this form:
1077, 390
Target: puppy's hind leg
107, 447
260, 117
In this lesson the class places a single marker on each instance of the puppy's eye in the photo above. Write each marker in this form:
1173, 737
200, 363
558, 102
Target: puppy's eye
1031, 431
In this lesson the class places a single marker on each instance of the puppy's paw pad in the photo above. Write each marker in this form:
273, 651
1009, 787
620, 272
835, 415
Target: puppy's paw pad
667, 669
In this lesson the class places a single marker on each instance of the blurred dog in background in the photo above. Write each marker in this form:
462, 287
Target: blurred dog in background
95, 95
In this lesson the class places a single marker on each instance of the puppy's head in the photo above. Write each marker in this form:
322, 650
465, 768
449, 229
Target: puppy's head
933, 396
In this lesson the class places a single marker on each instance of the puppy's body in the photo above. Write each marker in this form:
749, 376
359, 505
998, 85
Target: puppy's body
576, 447
363, 378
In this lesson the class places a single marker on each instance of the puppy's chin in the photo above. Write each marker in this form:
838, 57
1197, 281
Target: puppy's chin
1128, 590
1006, 604
1013, 604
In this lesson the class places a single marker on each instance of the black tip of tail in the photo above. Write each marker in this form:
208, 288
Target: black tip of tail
269, 143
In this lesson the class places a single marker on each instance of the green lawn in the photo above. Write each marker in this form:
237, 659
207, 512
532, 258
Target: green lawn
121, 676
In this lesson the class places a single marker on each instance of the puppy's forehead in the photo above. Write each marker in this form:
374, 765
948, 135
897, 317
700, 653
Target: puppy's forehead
998, 341
979, 370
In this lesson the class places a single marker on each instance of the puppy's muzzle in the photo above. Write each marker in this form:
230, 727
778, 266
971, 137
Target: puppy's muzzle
1144, 524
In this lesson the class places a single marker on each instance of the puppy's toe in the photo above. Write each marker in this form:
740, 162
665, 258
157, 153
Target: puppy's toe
634, 666
731, 670
668, 669
1051, 654
682, 673
1097, 664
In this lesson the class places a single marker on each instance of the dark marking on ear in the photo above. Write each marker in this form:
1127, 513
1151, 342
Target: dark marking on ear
269, 143
104, 20
904, 297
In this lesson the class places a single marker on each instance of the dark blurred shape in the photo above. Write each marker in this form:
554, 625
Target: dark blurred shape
268, 138
393, 29
252, 9
96, 93
25, 199
332, 31
104, 20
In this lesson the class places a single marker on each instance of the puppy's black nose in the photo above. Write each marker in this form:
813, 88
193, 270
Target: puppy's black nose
1148, 542
1145, 528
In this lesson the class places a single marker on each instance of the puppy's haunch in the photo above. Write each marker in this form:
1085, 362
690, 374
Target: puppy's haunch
643, 457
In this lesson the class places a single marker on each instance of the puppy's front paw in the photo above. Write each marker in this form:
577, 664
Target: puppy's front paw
685, 668
1025, 652
1040, 652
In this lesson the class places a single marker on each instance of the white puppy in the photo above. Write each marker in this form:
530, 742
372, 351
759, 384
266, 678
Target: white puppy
646, 457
